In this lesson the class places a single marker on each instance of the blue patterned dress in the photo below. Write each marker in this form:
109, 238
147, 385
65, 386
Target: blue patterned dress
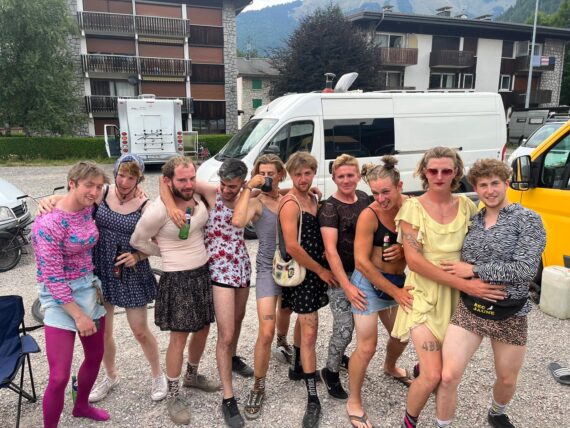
136, 287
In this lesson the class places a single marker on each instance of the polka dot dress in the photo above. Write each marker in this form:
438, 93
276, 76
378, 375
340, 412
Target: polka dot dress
311, 294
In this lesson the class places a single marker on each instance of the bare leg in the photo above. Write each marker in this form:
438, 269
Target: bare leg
459, 346
266, 317
241, 296
283, 318
175, 353
110, 352
137, 318
428, 350
309, 326
394, 347
508, 362
366, 340
224, 306
197, 344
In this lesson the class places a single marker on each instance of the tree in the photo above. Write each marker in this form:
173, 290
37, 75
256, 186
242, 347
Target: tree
324, 41
561, 19
36, 66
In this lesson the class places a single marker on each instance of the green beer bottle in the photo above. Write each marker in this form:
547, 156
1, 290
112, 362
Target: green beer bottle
184, 230
385, 245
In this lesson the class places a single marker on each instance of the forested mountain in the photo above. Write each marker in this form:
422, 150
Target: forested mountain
523, 10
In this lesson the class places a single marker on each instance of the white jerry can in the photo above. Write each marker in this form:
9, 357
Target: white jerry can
555, 292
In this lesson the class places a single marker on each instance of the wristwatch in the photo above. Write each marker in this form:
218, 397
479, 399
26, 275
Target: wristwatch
475, 270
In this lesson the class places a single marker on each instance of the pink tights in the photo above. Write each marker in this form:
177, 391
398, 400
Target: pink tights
59, 349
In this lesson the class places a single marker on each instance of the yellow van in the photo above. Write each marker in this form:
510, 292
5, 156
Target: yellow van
541, 182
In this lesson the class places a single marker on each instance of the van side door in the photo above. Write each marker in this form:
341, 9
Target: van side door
551, 199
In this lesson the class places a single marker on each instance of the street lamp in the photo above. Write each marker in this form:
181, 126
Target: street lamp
529, 82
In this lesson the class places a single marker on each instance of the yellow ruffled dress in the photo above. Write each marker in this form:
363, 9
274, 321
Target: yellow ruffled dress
434, 303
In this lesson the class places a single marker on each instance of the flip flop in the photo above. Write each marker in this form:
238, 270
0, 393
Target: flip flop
560, 374
406, 379
359, 419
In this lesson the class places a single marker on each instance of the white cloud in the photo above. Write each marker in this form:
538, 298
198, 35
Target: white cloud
260, 4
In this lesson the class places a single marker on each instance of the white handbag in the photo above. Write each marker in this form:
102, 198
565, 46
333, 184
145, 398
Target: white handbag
287, 273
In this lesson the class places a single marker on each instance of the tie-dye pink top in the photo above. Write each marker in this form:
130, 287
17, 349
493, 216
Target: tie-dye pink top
63, 244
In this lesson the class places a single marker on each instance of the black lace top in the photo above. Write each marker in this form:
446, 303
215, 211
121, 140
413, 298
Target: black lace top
342, 216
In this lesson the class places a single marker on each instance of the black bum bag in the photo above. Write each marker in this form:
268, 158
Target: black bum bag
495, 311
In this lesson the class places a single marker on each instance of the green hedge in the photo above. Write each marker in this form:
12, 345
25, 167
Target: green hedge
51, 148
214, 142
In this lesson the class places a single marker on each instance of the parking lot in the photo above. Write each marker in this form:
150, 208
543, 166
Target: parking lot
539, 401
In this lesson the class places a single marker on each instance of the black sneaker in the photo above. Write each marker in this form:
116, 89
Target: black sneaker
344, 363
240, 367
499, 421
334, 387
312, 415
231, 413
296, 374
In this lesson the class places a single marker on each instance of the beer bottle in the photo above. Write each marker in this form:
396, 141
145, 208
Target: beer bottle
118, 270
184, 230
385, 245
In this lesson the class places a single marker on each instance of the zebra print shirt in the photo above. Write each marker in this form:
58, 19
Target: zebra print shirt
509, 252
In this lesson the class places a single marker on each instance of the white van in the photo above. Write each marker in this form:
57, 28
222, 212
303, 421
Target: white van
368, 126
148, 127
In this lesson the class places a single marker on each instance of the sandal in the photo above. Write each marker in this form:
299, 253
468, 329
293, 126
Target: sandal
360, 420
407, 379
252, 408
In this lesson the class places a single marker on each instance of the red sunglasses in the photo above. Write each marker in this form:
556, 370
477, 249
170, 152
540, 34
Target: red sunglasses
446, 172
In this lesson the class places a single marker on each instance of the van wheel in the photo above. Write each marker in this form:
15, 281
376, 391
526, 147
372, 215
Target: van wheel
249, 232
10, 253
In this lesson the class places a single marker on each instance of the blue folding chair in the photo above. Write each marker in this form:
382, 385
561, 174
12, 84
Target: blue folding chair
15, 349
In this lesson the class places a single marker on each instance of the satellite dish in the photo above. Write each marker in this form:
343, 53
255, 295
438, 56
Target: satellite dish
133, 80
345, 82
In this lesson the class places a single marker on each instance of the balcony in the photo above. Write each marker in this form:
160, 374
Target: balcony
517, 98
108, 104
398, 56
522, 64
95, 63
451, 59
117, 23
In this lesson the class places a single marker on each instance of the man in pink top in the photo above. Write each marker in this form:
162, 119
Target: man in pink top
184, 302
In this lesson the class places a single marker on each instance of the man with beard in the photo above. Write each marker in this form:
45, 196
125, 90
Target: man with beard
184, 302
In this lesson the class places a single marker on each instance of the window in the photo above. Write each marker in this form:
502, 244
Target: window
256, 84
256, 102
468, 81
445, 43
206, 36
470, 44
505, 82
523, 49
293, 137
207, 73
508, 49
442, 81
555, 171
209, 117
391, 79
113, 88
389, 40
359, 137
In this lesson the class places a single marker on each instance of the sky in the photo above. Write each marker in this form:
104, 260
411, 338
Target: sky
260, 4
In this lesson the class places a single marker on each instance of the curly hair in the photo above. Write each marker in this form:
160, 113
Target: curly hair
371, 172
485, 168
439, 153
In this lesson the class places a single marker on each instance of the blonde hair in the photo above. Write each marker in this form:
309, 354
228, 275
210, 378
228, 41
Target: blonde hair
345, 160
485, 168
174, 162
84, 170
439, 153
270, 159
371, 172
301, 160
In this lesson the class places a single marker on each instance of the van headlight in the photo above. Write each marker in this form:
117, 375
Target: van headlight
6, 214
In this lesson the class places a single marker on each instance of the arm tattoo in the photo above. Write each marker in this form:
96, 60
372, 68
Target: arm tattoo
431, 346
411, 239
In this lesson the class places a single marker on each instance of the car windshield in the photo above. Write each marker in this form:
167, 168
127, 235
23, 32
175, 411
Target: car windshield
542, 134
246, 139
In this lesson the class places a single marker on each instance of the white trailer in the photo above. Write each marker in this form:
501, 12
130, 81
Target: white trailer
149, 128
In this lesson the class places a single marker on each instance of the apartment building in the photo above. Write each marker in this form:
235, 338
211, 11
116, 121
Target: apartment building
182, 49
253, 84
446, 51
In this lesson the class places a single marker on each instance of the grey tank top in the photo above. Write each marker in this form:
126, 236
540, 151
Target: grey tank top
265, 230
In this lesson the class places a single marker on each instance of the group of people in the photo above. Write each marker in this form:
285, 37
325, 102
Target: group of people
467, 278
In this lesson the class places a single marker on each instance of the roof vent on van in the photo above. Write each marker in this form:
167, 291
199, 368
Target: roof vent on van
345, 82
329, 77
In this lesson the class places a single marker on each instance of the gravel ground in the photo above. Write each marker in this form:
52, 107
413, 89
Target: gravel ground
539, 401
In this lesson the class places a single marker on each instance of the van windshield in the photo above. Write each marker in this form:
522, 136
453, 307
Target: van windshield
542, 134
246, 139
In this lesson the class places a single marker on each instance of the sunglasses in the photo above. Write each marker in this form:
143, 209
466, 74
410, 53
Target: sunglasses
446, 172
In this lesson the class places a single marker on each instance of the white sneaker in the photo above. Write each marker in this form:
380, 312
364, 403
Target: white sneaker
159, 388
102, 389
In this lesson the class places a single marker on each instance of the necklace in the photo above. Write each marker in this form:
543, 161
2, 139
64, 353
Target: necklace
269, 195
122, 198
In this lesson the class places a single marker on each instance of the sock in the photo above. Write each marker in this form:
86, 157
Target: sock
173, 386
311, 384
410, 421
282, 340
443, 424
259, 384
297, 359
496, 408
191, 369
